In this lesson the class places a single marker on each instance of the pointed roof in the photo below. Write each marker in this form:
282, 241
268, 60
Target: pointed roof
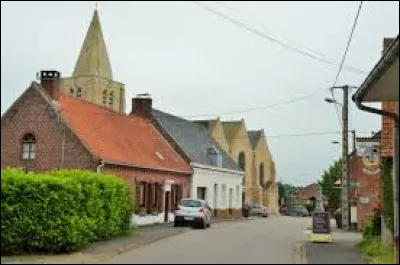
231, 128
93, 57
254, 137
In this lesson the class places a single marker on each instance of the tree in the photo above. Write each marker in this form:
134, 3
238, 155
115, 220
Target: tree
287, 191
329, 177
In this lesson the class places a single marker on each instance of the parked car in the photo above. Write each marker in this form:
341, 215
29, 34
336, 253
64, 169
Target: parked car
194, 212
259, 210
297, 211
254, 209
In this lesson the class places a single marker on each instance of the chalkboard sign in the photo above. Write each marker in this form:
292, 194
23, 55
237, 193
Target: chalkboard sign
321, 223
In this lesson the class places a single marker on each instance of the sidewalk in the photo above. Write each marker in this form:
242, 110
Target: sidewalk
102, 251
343, 250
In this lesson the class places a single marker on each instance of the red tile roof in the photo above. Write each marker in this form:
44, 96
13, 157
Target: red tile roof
120, 138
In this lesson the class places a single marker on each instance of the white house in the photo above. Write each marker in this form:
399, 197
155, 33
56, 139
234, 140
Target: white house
221, 187
216, 177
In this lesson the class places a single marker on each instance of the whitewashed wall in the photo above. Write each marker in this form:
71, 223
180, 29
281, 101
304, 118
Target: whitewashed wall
206, 176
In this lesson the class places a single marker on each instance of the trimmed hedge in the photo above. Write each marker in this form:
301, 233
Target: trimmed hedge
61, 211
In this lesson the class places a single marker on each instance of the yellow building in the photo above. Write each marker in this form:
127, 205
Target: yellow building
249, 149
264, 170
92, 78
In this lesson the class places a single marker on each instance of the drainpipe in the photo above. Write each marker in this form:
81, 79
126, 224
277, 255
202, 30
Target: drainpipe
395, 117
99, 167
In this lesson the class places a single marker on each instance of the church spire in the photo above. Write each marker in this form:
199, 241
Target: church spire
93, 58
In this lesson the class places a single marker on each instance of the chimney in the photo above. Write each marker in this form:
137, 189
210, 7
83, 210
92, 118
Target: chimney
50, 81
142, 105
386, 44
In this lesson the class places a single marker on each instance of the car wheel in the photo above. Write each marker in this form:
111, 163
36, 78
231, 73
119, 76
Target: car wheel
203, 225
176, 224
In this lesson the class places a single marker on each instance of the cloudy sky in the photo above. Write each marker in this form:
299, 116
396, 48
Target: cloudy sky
197, 64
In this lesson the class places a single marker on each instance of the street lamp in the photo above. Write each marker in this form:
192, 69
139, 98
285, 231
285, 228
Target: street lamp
333, 101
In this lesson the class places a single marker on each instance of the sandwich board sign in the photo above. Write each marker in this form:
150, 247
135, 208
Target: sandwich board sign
321, 227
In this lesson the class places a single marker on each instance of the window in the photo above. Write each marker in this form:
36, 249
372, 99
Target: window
79, 92
201, 193
104, 97
214, 157
223, 196
71, 91
29, 147
111, 100
262, 178
142, 195
242, 161
190, 203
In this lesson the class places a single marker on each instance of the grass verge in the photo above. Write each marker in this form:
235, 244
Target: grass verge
376, 253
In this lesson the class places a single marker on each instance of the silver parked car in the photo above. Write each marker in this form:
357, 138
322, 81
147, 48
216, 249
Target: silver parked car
194, 212
258, 210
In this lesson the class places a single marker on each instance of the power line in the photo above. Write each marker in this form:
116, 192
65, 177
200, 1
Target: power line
348, 43
290, 101
344, 58
272, 39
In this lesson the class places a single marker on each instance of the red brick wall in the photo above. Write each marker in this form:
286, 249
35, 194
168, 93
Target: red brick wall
134, 175
388, 129
369, 186
33, 114
308, 192
388, 123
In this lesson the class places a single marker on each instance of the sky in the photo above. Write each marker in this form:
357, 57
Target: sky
198, 65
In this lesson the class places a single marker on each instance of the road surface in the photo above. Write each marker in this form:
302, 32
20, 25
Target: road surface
270, 240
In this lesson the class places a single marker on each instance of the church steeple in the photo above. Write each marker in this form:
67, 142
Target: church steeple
93, 58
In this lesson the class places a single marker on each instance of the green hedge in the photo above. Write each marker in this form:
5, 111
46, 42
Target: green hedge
61, 211
387, 193
373, 229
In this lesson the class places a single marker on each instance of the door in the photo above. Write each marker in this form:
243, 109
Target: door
166, 205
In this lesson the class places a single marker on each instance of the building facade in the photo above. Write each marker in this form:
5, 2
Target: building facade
45, 129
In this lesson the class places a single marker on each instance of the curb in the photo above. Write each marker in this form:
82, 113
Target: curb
136, 245
299, 254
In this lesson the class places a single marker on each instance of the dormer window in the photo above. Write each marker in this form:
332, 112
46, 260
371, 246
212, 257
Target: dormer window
28, 147
214, 156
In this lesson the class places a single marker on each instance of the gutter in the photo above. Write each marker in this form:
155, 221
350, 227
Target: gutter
144, 167
219, 169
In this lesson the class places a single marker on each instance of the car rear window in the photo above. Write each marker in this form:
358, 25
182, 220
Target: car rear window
191, 203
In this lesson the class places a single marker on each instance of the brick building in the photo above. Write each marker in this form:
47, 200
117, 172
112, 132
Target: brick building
364, 175
45, 129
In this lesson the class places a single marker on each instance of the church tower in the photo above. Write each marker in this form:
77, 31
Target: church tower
92, 78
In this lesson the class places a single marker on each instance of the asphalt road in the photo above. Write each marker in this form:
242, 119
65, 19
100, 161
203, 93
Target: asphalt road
260, 241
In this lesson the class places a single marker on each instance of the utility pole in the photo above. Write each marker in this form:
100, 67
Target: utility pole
345, 152
345, 157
